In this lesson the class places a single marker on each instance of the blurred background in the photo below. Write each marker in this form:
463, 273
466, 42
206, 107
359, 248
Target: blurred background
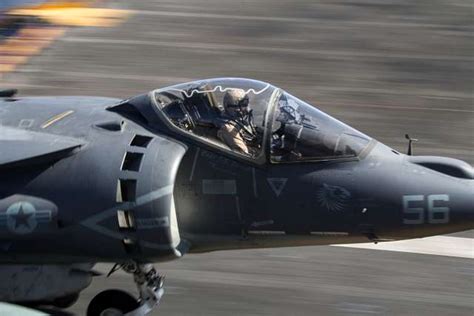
385, 67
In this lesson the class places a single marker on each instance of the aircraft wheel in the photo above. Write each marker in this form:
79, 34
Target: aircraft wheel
112, 302
66, 301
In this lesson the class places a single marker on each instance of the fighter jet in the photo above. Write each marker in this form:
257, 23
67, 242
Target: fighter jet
216, 164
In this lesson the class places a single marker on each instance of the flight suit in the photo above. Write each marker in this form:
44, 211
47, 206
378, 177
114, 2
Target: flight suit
229, 134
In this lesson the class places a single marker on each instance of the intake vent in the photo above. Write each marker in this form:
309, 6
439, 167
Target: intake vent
141, 141
112, 126
132, 161
126, 190
125, 220
129, 111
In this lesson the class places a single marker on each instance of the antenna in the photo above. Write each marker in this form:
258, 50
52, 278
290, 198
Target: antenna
410, 144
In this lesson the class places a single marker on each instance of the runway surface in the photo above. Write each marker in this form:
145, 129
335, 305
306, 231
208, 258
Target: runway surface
386, 68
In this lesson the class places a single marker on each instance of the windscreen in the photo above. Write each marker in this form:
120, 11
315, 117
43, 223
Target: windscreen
301, 132
228, 112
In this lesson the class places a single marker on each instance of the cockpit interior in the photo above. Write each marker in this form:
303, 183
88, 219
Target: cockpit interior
244, 116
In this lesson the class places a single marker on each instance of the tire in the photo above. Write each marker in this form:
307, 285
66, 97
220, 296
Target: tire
111, 302
66, 301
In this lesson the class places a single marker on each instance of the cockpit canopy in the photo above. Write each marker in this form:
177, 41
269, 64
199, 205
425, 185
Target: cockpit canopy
232, 114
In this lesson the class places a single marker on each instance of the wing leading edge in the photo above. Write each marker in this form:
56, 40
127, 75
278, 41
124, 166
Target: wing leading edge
21, 147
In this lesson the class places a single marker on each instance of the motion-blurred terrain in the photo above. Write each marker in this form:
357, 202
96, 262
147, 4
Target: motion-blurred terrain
385, 67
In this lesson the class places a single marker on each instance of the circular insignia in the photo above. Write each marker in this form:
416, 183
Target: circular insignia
21, 218
333, 198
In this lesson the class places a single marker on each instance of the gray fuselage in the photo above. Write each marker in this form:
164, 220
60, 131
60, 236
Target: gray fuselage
185, 196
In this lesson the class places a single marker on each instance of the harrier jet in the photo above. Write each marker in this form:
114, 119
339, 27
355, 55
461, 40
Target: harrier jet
209, 165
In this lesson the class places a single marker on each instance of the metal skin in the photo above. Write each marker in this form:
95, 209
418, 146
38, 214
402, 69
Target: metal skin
62, 193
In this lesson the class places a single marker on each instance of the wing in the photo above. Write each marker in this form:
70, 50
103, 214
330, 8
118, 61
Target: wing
21, 147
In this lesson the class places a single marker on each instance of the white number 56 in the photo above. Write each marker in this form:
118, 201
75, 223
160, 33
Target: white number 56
413, 206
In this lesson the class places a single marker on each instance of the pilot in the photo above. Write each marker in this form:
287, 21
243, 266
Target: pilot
237, 130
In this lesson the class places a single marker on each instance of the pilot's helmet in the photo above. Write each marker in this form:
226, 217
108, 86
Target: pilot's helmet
236, 102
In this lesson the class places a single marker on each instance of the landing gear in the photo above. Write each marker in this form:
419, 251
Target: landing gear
116, 302
112, 303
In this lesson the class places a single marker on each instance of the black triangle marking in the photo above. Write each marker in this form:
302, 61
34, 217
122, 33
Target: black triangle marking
277, 185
